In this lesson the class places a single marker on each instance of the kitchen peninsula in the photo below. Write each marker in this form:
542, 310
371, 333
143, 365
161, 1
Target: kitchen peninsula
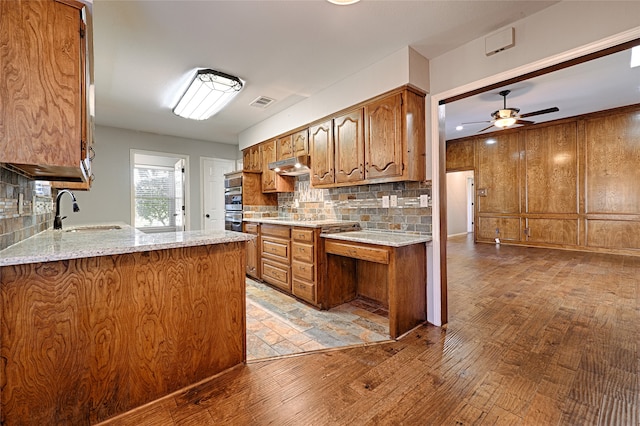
99, 320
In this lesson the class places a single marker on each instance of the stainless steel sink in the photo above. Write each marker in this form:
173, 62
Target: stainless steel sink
94, 228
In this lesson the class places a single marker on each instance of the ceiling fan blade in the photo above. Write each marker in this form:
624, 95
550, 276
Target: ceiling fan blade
542, 111
524, 122
476, 122
486, 128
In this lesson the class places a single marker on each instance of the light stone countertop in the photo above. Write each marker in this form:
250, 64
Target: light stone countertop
87, 241
302, 223
381, 238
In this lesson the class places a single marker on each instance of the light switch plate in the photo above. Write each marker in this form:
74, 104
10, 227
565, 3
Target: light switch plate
385, 201
424, 200
394, 201
20, 203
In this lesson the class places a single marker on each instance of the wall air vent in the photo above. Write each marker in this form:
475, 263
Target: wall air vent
262, 102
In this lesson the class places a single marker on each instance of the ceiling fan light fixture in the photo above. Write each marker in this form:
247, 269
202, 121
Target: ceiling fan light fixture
207, 94
505, 122
343, 2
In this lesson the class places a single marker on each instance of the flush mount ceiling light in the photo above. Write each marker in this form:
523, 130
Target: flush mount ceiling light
343, 2
207, 94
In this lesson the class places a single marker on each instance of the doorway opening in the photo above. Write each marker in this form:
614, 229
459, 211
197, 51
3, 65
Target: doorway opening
212, 184
460, 203
159, 191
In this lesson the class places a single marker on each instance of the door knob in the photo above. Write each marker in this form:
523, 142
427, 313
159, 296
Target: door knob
207, 215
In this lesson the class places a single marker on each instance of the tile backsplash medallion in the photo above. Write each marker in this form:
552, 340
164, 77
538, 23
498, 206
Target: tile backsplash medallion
36, 214
362, 203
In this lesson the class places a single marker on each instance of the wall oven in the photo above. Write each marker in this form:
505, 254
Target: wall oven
233, 201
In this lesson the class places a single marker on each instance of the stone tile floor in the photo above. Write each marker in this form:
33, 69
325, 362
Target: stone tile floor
279, 325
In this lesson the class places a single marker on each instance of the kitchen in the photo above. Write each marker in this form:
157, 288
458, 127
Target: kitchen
335, 195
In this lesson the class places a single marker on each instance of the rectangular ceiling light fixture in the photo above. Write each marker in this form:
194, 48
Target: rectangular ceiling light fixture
207, 94
635, 56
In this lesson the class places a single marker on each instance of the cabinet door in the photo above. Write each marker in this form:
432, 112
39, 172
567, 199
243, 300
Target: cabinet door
383, 138
321, 147
251, 159
268, 150
349, 146
43, 102
285, 147
301, 143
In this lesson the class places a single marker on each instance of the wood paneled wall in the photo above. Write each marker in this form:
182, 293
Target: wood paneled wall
572, 183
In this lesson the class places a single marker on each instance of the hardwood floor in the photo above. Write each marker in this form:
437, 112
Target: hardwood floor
536, 336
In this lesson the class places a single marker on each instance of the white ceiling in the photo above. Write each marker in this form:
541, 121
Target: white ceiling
597, 85
145, 52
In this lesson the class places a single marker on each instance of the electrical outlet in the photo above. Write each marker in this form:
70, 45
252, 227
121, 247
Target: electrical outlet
424, 200
385, 201
20, 203
394, 201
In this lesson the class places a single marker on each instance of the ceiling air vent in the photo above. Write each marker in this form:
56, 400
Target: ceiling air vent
262, 102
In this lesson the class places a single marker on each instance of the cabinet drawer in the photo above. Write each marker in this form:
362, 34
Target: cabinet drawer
362, 252
276, 274
305, 291
303, 252
302, 234
251, 228
303, 271
276, 230
276, 248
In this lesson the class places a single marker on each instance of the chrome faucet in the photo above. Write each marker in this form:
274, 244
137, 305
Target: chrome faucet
57, 221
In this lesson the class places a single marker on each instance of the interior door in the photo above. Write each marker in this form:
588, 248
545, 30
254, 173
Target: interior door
213, 171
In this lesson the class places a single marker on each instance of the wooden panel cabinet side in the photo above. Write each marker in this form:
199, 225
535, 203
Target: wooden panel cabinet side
461, 155
414, 136
42, 95
384, 138
551, 169
497, 173
252, 194
348, 133
612, 159
322, 154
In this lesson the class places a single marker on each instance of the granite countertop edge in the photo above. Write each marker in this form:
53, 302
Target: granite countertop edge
382, 238
50, 245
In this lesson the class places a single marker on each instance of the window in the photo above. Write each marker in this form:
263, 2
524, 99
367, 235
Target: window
158, 198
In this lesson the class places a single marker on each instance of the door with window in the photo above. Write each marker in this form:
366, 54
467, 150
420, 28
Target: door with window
158, 192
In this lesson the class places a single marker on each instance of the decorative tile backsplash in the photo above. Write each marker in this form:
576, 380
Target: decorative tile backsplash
361, 203
36, 213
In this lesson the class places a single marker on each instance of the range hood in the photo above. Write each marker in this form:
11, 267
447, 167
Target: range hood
293, 166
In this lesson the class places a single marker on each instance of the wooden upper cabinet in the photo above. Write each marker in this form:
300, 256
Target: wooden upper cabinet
284, 147
348, 131
45, 112
461, 155
384, 138
300, 143
321, 150
271, 181
268, 153
252, 159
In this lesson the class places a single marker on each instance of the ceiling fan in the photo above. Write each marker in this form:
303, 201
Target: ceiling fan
507, 117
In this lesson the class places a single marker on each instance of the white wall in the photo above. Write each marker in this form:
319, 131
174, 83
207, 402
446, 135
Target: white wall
405, 66
552, 31
110, 197
457, 202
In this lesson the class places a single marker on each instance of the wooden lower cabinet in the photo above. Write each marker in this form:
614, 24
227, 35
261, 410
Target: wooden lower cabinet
253, 254
304, 263
276, 255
